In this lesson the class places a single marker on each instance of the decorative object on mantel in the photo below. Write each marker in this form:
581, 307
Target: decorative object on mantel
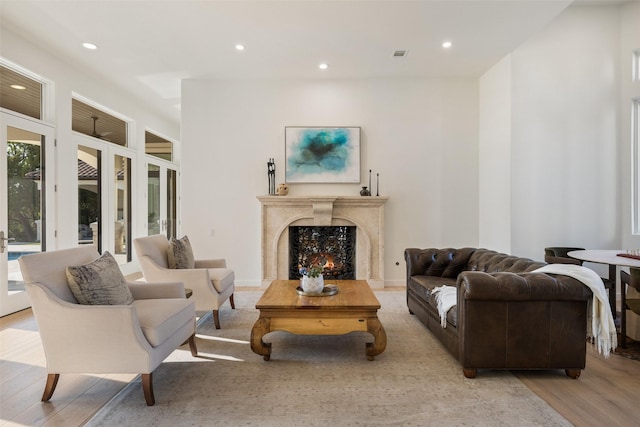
322, 154
370, 182
377, 184
271, 173
365, 192
283, 189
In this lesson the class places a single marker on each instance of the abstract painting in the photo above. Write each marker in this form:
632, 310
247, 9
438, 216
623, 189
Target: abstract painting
322, 154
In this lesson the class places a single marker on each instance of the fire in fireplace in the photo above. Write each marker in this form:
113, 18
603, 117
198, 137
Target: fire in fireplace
332, 247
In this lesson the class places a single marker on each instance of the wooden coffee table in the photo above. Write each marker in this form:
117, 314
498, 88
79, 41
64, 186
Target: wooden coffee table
353, 308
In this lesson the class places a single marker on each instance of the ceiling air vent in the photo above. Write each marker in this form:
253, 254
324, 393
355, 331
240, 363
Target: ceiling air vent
400, 53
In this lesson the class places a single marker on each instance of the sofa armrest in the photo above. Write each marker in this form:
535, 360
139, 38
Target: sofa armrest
157, 290
105, 332
476, 285
521, 321
211, 263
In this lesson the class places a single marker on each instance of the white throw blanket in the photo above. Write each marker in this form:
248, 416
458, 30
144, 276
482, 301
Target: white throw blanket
446, 297
600, 323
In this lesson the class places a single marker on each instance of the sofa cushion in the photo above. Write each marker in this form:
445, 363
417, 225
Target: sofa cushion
99, 282
423, 286
180, 253
160, 318
221, 278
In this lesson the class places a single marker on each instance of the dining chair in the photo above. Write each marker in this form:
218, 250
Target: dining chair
633, 281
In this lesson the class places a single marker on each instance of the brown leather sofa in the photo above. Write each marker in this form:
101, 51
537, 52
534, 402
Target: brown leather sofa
506, 317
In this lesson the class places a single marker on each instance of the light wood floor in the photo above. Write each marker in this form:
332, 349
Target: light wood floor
606, 394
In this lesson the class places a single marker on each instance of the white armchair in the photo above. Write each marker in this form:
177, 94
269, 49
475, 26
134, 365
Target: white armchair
102, 339
211, 281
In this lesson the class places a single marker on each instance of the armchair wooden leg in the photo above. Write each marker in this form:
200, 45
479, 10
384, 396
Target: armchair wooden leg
192, 345
216, 319
232, 302
49, 388
147, 388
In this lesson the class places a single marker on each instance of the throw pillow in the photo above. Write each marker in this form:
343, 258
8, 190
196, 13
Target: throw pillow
180, 254
99, 283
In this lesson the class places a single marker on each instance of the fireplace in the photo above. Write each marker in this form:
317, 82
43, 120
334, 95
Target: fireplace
366, 214
332, 247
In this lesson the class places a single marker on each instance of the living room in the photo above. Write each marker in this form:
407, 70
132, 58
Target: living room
534, 151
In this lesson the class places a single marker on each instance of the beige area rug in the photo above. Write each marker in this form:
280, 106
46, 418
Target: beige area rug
321, 381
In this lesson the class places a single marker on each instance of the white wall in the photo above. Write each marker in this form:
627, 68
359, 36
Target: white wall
420, 135
64, 80
495, 158
564, 134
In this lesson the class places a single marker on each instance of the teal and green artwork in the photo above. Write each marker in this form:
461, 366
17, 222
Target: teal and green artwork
322, 154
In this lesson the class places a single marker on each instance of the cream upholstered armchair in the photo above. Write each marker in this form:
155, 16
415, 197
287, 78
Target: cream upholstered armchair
129, 338
210, 280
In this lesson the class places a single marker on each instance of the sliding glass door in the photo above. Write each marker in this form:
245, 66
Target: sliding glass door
26, 202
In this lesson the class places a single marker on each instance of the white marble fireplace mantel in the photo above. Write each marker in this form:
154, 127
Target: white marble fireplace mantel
366, 213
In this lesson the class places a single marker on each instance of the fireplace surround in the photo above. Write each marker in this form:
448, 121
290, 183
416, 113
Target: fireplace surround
278, 213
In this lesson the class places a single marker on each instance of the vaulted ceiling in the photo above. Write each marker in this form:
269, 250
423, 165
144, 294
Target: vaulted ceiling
147, 48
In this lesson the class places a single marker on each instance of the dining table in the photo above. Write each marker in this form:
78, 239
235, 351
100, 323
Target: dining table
614, 258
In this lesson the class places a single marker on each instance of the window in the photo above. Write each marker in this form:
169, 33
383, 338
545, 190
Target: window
157, 146
122, 206
89, 200
95, 122
635, 167
20, 93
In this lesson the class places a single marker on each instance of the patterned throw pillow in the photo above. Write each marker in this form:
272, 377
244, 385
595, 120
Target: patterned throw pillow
180, 254
99, 283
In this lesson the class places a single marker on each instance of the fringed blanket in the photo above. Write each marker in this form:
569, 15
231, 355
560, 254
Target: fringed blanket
446, 297
600, 325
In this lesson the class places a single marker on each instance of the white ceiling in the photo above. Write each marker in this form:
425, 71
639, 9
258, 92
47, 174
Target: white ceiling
148, 47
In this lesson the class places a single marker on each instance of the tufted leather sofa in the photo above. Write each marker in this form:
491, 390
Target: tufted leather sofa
506, 317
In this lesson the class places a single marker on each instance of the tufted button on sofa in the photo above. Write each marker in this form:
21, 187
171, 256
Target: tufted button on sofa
506, 317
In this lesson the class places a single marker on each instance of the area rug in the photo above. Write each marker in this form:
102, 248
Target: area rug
320, 381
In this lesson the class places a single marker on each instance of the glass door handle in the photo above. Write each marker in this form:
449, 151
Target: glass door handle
2, 240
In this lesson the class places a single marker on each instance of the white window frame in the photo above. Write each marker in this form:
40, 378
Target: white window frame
635, 166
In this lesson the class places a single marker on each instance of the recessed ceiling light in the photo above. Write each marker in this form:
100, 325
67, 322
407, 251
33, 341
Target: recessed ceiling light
323, 66
90, 46
239, 47
447, 44
18, 87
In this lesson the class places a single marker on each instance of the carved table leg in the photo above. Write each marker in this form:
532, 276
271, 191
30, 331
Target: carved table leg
374, 327
259, 330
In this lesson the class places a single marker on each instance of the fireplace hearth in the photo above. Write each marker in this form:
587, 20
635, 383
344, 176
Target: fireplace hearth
332, 247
